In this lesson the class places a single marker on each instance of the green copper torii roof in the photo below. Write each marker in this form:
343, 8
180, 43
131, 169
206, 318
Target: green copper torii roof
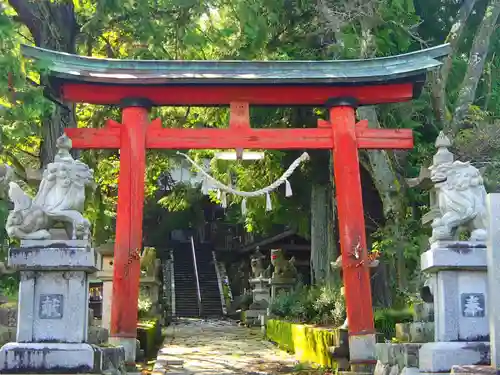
68, 67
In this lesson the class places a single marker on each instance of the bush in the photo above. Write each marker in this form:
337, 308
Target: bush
144, 304
318, 305
386, 320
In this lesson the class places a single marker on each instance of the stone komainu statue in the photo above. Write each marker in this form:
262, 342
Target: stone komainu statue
283, 269
257, 265
461, 198
60, 199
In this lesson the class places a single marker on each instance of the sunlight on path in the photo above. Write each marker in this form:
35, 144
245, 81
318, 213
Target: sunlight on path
219, 347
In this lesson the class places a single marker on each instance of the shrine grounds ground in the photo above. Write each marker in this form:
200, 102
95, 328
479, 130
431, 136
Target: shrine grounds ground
222, 347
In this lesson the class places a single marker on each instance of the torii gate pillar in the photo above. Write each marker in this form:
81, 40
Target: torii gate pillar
356, 273
128, 243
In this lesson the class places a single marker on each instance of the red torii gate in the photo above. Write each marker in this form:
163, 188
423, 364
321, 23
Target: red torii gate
338, 85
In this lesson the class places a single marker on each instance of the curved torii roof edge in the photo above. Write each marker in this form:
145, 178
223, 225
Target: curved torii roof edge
69, 72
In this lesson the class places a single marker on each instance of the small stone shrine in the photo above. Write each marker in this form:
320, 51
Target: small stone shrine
457, 270
284, 276
150, 280
53, 312
260, 290
105, 274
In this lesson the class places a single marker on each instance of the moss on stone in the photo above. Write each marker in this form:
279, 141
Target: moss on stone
308, 343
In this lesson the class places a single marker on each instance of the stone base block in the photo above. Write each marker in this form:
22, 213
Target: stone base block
362, 348
416, 332
97, 335
7, 334
403, 355
252, 317
442, 356
60, 358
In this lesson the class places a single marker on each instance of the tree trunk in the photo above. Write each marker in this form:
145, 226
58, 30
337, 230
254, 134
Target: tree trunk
440, 77
53, 26
323, 234
477, 59
386, 181
320, 210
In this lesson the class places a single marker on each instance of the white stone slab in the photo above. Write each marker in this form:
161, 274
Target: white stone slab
442, 356
29, 357
53, 258
494, 277
442, 258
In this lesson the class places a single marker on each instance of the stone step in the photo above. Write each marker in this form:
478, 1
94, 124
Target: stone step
473, 370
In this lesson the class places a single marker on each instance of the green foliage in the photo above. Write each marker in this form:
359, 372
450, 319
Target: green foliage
318, 305
386, 320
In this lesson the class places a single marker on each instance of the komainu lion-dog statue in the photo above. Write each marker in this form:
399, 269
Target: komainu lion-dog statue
461, 199
60, 199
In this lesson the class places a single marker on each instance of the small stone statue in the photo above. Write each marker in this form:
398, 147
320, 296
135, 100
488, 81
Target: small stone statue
60, 199
461, 196
283, 269
256, 262
150, 266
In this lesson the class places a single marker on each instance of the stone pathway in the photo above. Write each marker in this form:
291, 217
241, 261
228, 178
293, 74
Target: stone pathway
196, 347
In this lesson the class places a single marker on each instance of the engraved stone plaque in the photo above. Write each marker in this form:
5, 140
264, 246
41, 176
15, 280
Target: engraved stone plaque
51, 306
473, 305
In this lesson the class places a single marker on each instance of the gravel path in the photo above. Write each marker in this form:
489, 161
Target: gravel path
220, 347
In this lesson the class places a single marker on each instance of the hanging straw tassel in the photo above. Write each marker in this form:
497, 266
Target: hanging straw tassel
269, 204
244, 207
204, 187
223, 200
288, 189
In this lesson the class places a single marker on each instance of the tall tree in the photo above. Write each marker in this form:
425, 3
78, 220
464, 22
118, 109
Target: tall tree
476, 63
52, 25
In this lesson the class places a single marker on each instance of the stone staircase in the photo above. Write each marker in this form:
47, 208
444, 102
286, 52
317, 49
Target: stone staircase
186, 295
209, 284
186, 298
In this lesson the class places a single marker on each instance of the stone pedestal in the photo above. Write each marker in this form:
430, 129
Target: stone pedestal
460, 289
53, 322
261, 299
278, 285
150, 286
